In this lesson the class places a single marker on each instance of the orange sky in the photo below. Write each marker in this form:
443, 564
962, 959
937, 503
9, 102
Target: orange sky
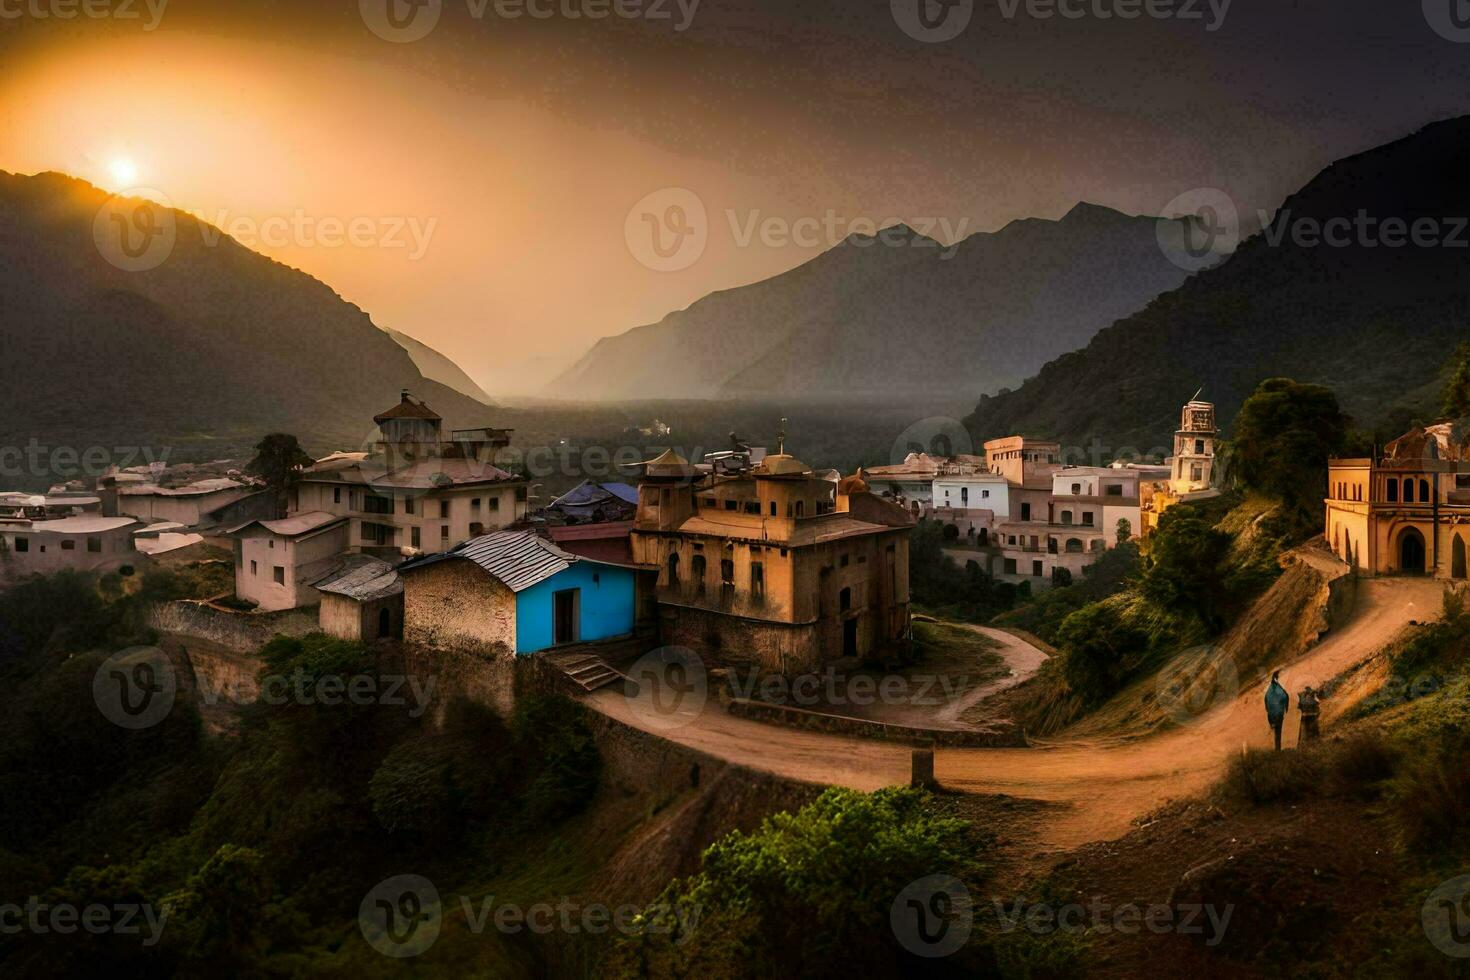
511, 154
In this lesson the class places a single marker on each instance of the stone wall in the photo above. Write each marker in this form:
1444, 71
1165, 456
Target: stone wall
456, 605
240, 631
780, 714
732, 641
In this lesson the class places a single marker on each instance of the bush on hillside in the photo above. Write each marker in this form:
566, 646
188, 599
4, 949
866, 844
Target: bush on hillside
1262, 776
1431, 797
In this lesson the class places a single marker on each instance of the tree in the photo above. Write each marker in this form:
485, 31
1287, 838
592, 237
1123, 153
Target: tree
278, 461
1457, 391
1099, 646
1283, 437
1125, 530
1187, 565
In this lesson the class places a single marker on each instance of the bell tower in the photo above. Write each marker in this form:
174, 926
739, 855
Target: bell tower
1194, 448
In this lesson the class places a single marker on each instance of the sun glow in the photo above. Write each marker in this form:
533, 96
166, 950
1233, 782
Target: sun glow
124, 173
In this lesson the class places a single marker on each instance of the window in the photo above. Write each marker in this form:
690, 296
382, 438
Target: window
444, 533
1087, 519
757, 578
1196, 474
1025, 512
799, 506
444, 514
1199, 447
408, 505
696, 568
94, 545
374, 504
843, 561
1037, 569
336, 495
416, 538
1076, 489
279, 574
495, 503
474, 503
1424, 495
271, 544
1066, 517
674, 569
753, 507
773, 508
253, 569
730, 505
727, 573
964, 495
67, 544
1408, 491
985, 494
1074, 546
1114, 491
1393, 491
22, 544
844, 600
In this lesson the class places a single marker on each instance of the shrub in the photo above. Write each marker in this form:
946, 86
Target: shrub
1098, 643
1359, 763
553, 732
1261, 776
1431, 797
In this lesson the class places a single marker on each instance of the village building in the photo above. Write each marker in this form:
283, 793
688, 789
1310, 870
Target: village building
172, 543
200, 504
276, 562
974, 503
911, 483
85, 543
1192, 470
416, 492
48, 506
775, 567
516, 593
361, 600
1408, 512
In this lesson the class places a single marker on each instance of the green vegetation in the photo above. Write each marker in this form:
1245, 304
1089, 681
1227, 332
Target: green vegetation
937, 584
807, 893
1456, 404
278, 460
1281, 442
261, 845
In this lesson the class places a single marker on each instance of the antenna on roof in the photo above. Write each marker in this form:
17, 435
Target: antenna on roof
1197, 394
781, 439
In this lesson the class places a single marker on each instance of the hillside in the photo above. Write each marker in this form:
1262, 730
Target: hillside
1374, 322
895, 317
212, 348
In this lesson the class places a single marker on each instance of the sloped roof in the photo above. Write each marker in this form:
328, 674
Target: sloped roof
199, 489
519, 559
407, 408
294, 526
426, 474
361, 578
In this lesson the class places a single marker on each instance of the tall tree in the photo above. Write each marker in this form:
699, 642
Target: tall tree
1457, 391
1282, 439
278, 460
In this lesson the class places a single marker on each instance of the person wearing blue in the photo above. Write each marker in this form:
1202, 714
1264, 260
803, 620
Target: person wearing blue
1277, 701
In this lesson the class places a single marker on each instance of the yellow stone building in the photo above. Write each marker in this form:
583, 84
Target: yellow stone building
774, 567
1407, 513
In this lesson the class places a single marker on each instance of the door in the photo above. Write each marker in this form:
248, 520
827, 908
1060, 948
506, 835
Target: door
385, 624
849, 638
565, 616
1411, 552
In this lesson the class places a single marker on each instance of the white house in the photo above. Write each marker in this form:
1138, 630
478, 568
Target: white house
276, 561
86, 543
975, 503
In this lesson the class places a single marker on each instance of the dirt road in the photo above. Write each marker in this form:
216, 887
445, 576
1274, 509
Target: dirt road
1022, 658
1100, 787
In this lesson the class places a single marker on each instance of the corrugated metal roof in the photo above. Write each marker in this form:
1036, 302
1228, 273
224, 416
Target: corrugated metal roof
519, 559
362, 578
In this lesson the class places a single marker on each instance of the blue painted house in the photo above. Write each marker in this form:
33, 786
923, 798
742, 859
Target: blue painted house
517, 591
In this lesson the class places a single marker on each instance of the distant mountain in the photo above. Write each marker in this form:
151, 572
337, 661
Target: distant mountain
895, 315
1375, 318
213, 347
436, 367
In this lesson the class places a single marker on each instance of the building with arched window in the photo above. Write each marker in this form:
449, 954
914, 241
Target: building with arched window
1408, 512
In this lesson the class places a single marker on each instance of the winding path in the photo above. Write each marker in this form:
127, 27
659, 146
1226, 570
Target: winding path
1100, 787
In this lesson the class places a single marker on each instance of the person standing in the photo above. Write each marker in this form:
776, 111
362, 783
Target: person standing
1277, 703
1311, 710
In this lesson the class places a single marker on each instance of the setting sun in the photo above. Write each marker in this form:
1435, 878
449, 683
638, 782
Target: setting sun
124, 172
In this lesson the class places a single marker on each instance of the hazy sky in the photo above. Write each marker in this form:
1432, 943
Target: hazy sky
504, 173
